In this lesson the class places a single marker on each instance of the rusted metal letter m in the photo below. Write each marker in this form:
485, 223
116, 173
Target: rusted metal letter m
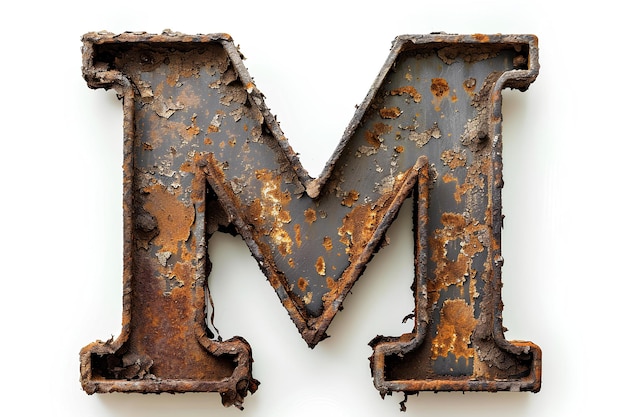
202, 154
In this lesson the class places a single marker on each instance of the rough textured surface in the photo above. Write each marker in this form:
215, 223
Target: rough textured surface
203, 154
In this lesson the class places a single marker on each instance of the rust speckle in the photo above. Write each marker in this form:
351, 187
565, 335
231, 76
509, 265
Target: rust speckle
320, 266
399, 149
303, 284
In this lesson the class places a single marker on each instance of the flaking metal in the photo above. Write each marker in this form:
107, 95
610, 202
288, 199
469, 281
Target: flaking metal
202, 154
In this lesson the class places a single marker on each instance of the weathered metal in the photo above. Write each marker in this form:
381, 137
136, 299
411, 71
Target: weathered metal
202, 153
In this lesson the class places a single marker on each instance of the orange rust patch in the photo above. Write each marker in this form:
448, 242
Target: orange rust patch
303, 284
359, 225
439, 87
469, 86
208, 141
409, 90
454, 331
399, 149
450, 272
174, 218
454, 222
328, 243
461, 189
330, 283
308, 298
191, 130
480, 37
284, 216
298, 233
273, 210
310, 215
453, 159
320, 266
255, 211
473, 247
374, 137
390, 112
283, 241
350, 199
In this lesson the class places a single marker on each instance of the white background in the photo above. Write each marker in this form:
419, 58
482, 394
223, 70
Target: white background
61, 216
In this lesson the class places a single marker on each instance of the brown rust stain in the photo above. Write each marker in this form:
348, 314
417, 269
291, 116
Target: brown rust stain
310, 215
454, 331
330, 283
282, 240
469, 86
273, 210
439, 87
461, 189
470, 235
298, 232
192, 130
303, 284
440, 90
174, 218
481, 37
359, 225
408, 90
374, 136
328, 243
390, 112
454, 158
350, 198
320, 266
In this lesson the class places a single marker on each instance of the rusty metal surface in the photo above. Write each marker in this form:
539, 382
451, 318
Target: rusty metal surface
203, 154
